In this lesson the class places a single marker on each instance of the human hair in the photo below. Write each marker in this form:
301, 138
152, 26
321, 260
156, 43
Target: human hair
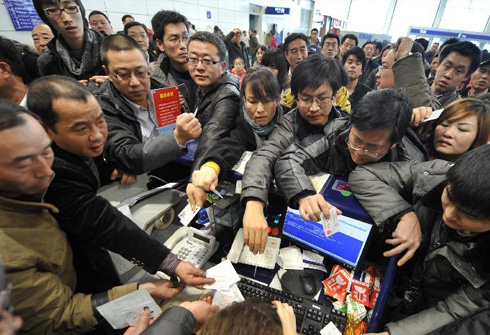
125, 17
261, 47
38, 5
423, 42
11, 115
383, 109
378, 46
465, 49
132, 24
96, 12
292, 37
366, 43
117, 42
350, 36
163, 18
11, 55
457, 110
469, 182
45, 90
207, 37
386, 47
330, 35
240, 59
314, 29
447, 42
314, 71
263, 83
358, 53
248, 317
275, 59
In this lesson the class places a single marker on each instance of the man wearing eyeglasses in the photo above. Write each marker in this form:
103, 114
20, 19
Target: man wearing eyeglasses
295, 50
134, 144
171, 69
218, 95
74, 51
373, 133
348, 42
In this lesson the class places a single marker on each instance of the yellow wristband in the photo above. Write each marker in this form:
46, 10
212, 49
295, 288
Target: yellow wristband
213, 166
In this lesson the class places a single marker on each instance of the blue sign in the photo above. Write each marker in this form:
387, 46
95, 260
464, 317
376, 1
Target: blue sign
208, 14
277, 10
448, 34
364, 36
23, 14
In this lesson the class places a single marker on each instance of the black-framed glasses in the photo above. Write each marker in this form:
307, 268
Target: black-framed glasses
321, 102
53, 11
356, 147
127, 76
174, 40
206, 62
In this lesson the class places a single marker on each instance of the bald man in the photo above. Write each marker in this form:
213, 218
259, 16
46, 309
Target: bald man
41, 35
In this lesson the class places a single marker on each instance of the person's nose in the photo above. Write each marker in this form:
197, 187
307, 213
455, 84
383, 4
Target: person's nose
449, 132
314, 106
96, 135
133, 81
260, 108
42, 167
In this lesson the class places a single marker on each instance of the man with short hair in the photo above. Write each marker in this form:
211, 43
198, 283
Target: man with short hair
138, 32
134, 144
373, 133
429, 55
354, 62
314, 85
100, 22
480, 79
41, 35
218, 95
12, 73
171, 69
76, 124
330, 45
348, 42
253, 45
313, 39
295, 50
456, 64
370, 64
236, 47
127, 18
35, 251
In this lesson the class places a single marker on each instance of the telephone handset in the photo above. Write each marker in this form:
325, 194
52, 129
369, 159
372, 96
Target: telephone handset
192, 245
240, 253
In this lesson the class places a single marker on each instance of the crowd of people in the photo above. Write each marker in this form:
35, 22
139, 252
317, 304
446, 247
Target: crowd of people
80, 114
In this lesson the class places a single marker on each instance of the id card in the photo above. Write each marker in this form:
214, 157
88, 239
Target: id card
331, 225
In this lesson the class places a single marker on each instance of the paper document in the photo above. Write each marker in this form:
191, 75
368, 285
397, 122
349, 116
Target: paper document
435, 115
126, 311
224, 299
188, 214
240, 165
330, 329
224, 275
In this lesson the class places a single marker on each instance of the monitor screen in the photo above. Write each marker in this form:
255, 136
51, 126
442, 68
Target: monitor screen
345, 247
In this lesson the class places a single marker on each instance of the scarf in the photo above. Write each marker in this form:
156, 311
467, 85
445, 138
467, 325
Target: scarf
90, 57
261, 133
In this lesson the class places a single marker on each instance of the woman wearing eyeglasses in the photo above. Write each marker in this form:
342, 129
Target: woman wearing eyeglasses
74, 51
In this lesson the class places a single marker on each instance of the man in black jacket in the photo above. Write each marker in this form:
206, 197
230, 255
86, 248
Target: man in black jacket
75, 123
134, 144
236, 47
218, 95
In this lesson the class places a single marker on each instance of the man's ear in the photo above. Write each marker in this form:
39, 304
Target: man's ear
50, 132
5, 70
223, 67
160, 45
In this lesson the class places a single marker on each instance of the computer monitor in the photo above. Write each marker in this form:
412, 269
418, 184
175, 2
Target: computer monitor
346, 247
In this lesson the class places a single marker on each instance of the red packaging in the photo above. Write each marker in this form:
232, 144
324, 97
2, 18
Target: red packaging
337, 283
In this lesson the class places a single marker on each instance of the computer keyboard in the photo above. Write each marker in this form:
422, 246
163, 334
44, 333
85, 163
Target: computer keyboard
311, 316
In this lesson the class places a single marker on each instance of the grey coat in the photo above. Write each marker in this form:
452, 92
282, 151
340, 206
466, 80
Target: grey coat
451, 286
259, 169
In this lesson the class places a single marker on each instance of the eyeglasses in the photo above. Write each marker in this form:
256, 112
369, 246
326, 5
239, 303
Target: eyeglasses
356, 147
205, 62
127, 76
321, 102
57, 11
177, 40
330, 45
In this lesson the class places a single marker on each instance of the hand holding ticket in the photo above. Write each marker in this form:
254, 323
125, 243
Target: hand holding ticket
331, 225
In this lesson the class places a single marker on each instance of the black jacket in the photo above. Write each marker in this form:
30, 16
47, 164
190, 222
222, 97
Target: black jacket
93, 224
124, 147
217, 112
360, 91
230, 149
